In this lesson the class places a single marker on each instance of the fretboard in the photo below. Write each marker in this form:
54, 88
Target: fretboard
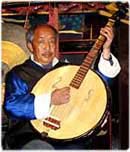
88, 61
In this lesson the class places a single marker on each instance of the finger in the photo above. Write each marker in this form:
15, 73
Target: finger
66, 94
103, 30
108, 31
66, 99
104, 34
66, 89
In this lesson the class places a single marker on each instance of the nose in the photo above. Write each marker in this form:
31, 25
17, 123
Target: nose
46, 45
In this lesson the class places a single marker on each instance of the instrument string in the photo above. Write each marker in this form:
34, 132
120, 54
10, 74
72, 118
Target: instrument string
65, 110
62, 111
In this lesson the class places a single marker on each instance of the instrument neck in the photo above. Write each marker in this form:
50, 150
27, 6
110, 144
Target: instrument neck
88, 61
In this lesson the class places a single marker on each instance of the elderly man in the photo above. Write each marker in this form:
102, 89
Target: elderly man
21, 105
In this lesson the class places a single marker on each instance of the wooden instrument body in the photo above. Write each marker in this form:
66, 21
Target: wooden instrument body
84, 111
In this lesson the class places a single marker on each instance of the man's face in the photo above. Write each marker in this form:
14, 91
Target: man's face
44, 45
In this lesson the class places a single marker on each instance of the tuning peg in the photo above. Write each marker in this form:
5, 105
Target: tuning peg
105, 13
125, 21
111, 7
128, 13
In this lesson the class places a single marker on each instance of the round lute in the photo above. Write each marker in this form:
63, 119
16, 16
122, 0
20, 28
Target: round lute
88, 100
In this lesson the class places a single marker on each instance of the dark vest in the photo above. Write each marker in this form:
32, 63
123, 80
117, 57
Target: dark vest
20, 132
31, 72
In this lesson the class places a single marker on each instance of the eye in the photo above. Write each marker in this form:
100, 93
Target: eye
52, 41
40, 41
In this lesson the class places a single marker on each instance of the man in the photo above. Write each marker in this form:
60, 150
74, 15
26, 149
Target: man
21, 105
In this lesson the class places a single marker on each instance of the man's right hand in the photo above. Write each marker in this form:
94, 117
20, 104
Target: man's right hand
60, 96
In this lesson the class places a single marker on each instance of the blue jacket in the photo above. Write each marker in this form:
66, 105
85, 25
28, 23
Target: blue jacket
19, 101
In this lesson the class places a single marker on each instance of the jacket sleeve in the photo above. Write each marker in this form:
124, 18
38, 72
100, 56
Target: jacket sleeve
19, 102
107, 70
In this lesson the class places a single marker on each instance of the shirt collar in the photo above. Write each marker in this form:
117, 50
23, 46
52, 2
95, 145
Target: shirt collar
54, 62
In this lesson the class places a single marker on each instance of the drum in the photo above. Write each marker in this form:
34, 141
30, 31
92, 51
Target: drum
14, 50
12, 55
16, 34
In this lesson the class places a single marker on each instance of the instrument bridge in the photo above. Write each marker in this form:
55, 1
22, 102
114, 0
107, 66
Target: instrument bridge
52, 122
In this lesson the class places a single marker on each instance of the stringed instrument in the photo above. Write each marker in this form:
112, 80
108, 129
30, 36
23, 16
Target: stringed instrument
89, 97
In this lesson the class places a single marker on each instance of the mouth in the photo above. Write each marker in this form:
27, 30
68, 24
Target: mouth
46, 55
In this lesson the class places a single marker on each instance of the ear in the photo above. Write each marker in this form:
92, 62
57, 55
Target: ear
29, 46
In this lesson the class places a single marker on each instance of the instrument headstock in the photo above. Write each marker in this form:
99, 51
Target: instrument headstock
117, 11
121, 12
